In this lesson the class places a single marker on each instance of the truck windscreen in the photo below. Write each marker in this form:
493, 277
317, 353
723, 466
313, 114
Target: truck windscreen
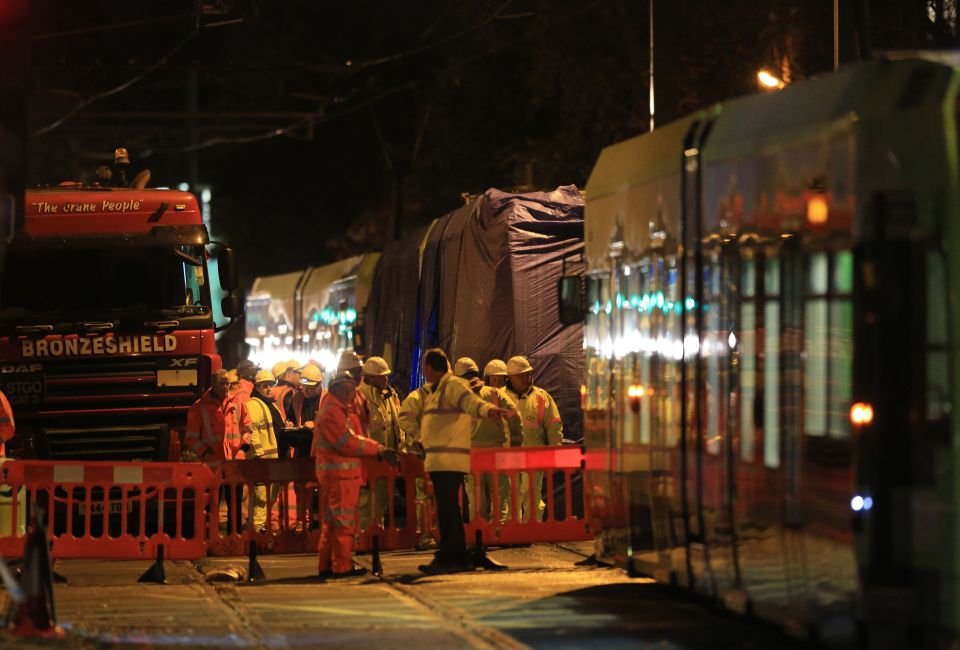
56, 284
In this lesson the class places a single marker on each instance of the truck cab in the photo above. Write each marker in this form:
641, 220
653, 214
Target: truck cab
107, 321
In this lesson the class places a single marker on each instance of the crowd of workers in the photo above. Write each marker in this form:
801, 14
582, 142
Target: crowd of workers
252, 413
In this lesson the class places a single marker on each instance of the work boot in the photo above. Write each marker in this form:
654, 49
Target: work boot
352, 573
324, 575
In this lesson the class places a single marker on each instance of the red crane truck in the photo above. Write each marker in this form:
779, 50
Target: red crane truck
107, 321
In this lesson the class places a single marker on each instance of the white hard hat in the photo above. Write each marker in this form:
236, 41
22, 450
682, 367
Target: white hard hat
495, 367
264, 376
518, 365
348, 360
310, 375
465, 365
376, 366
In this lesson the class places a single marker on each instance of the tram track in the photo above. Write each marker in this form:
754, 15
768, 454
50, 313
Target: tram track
455, 619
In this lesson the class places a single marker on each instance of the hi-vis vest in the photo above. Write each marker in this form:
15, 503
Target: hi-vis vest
384, 426
540, 417
447, 423
263, 440
411, 413
495, 433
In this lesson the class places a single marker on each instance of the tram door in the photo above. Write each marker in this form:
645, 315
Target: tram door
718, 397
652, 333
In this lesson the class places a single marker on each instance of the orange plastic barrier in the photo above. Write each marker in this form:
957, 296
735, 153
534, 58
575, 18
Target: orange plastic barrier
108, 510
127, 510
230, 527
522, 495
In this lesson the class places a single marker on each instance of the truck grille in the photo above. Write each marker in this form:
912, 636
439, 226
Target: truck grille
132, 443
108, 384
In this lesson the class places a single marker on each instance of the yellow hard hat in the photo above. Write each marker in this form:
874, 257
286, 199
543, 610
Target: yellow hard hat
376, 367
518, 365
264, 376
281, 367
232, 376
465, 365
495, 367
310, 375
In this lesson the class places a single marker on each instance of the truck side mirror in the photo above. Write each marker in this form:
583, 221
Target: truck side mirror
570, 293
232, 306
227, 268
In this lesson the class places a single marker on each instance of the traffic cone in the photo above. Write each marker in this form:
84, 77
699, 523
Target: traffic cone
35, 615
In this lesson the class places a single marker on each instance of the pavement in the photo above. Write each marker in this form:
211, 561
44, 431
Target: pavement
543, 600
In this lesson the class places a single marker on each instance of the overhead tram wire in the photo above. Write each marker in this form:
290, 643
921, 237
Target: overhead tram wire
113, 91
323, 119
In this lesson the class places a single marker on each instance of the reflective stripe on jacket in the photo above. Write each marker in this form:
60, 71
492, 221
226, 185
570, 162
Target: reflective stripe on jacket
338, 442
206, 428
540, 417
360, 408
7, 425
237, 426
263, 440
447, 423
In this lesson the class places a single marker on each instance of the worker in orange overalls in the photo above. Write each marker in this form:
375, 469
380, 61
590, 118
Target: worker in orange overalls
236, 440
338, 446
7, 426
350, 364
206, 425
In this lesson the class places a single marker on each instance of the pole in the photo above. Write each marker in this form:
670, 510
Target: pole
836, 35
652, 103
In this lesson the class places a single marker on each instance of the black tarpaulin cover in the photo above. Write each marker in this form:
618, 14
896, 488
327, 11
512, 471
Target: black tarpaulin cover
391, 312
488, 289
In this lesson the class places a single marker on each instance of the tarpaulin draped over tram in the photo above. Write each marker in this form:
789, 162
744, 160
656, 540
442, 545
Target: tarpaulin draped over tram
488, 289
391, 313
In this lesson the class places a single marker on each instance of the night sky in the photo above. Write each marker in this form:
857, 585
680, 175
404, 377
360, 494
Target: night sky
306, 116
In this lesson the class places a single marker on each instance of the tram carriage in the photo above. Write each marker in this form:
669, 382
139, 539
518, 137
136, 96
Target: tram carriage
770, 353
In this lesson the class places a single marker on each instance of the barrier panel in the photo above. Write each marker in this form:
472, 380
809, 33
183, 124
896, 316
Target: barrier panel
523, 495
265, 487
127, 510
108, 510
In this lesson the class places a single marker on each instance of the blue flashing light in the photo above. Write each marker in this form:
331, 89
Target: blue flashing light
619, 301
867, 503
856, 503
660, 299
609, 307
690, 303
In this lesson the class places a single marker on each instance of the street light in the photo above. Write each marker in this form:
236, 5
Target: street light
769, 82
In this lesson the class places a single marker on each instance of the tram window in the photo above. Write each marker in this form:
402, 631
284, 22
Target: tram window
668, 392
828, 345
771, 364
938, 378
815, 373
595, 334
714, 351
646, 288
748, 359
